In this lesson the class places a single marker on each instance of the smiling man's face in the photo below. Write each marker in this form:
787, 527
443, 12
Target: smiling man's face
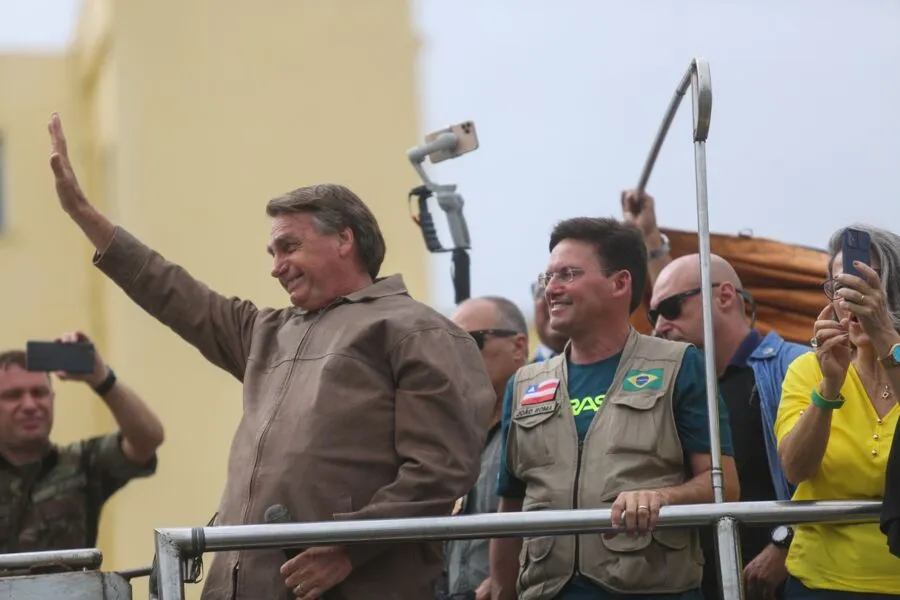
26, 408
306, 262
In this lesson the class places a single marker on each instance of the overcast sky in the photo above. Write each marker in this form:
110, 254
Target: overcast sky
36, 25
567, 97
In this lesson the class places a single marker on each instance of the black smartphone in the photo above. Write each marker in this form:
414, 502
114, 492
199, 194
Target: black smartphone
56, 356
855, 247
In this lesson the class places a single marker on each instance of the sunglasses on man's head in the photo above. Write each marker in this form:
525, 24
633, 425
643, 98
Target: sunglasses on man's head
479, 335
670, 308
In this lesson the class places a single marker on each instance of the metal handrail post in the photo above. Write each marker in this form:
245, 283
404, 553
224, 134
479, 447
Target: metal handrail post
728, 548
170, 574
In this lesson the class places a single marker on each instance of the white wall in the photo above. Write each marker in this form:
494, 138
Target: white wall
567, 97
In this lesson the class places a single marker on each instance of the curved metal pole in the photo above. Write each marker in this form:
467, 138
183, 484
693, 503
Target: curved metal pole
671, 111
698, 78
702, 104
731, 564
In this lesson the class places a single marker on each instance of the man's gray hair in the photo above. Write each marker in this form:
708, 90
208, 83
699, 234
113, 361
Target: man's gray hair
885, 247
508, 314
335, 207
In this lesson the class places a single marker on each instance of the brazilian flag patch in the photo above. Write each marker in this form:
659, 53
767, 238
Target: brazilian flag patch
636, 381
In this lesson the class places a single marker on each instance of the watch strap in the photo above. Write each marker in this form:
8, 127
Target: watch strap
788, 538
103, 388
893, 357
662, 250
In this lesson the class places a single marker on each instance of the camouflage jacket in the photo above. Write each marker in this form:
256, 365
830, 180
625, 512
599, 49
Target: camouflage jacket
55, 504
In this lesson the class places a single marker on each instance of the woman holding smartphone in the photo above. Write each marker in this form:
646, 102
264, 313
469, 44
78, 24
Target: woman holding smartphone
837, 418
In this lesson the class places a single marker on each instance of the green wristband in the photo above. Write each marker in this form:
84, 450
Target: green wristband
821, 402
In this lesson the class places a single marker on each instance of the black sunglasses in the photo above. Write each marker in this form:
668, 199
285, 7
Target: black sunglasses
670, 308
479, 335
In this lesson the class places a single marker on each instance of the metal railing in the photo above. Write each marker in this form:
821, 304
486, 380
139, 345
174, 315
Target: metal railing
175, 546
80, 558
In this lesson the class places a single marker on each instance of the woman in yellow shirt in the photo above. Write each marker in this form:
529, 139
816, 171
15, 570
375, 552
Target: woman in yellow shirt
836, 422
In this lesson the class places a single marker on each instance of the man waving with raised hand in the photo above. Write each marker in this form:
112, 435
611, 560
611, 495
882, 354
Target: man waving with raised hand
417, 380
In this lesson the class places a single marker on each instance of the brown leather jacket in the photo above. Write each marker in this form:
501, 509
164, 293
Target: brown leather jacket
373, 407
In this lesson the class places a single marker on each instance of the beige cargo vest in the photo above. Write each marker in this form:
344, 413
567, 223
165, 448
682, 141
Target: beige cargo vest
632, 444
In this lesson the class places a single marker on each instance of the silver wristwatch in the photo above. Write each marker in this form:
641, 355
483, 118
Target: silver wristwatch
662, 250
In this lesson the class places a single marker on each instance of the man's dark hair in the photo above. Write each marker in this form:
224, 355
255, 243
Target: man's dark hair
11, 358
509, 315
334, 208
620, 247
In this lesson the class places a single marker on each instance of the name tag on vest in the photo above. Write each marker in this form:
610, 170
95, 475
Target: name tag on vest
535, 409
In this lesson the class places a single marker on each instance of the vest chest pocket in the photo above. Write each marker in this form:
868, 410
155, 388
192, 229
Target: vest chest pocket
532, 431
633, 421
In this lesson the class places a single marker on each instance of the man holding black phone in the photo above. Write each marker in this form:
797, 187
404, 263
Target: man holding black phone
51, 496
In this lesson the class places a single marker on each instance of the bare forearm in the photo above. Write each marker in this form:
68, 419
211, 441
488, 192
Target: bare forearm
98, 229
142, 431
699, 489
801, 451
655, 265
504, 567
504, 558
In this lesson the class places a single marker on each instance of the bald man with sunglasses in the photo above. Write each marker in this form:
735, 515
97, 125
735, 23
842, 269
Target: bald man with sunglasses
750, 369
499, 329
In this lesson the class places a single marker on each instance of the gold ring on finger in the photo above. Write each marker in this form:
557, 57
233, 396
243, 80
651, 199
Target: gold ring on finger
640, 508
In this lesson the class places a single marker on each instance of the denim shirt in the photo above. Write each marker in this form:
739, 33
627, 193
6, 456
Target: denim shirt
770, 361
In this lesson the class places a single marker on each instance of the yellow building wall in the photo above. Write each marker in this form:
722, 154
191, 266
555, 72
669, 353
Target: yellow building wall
44, 262
194, 114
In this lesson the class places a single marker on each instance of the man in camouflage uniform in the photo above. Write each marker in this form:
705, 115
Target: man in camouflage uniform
51, 496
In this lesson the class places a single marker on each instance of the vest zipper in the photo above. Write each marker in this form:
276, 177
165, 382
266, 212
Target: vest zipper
577, 571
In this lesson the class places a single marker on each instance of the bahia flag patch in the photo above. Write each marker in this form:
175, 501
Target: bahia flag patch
540, 392
636, 380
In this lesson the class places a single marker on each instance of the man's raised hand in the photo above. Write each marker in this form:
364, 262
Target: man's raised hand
70, 195
97, 227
